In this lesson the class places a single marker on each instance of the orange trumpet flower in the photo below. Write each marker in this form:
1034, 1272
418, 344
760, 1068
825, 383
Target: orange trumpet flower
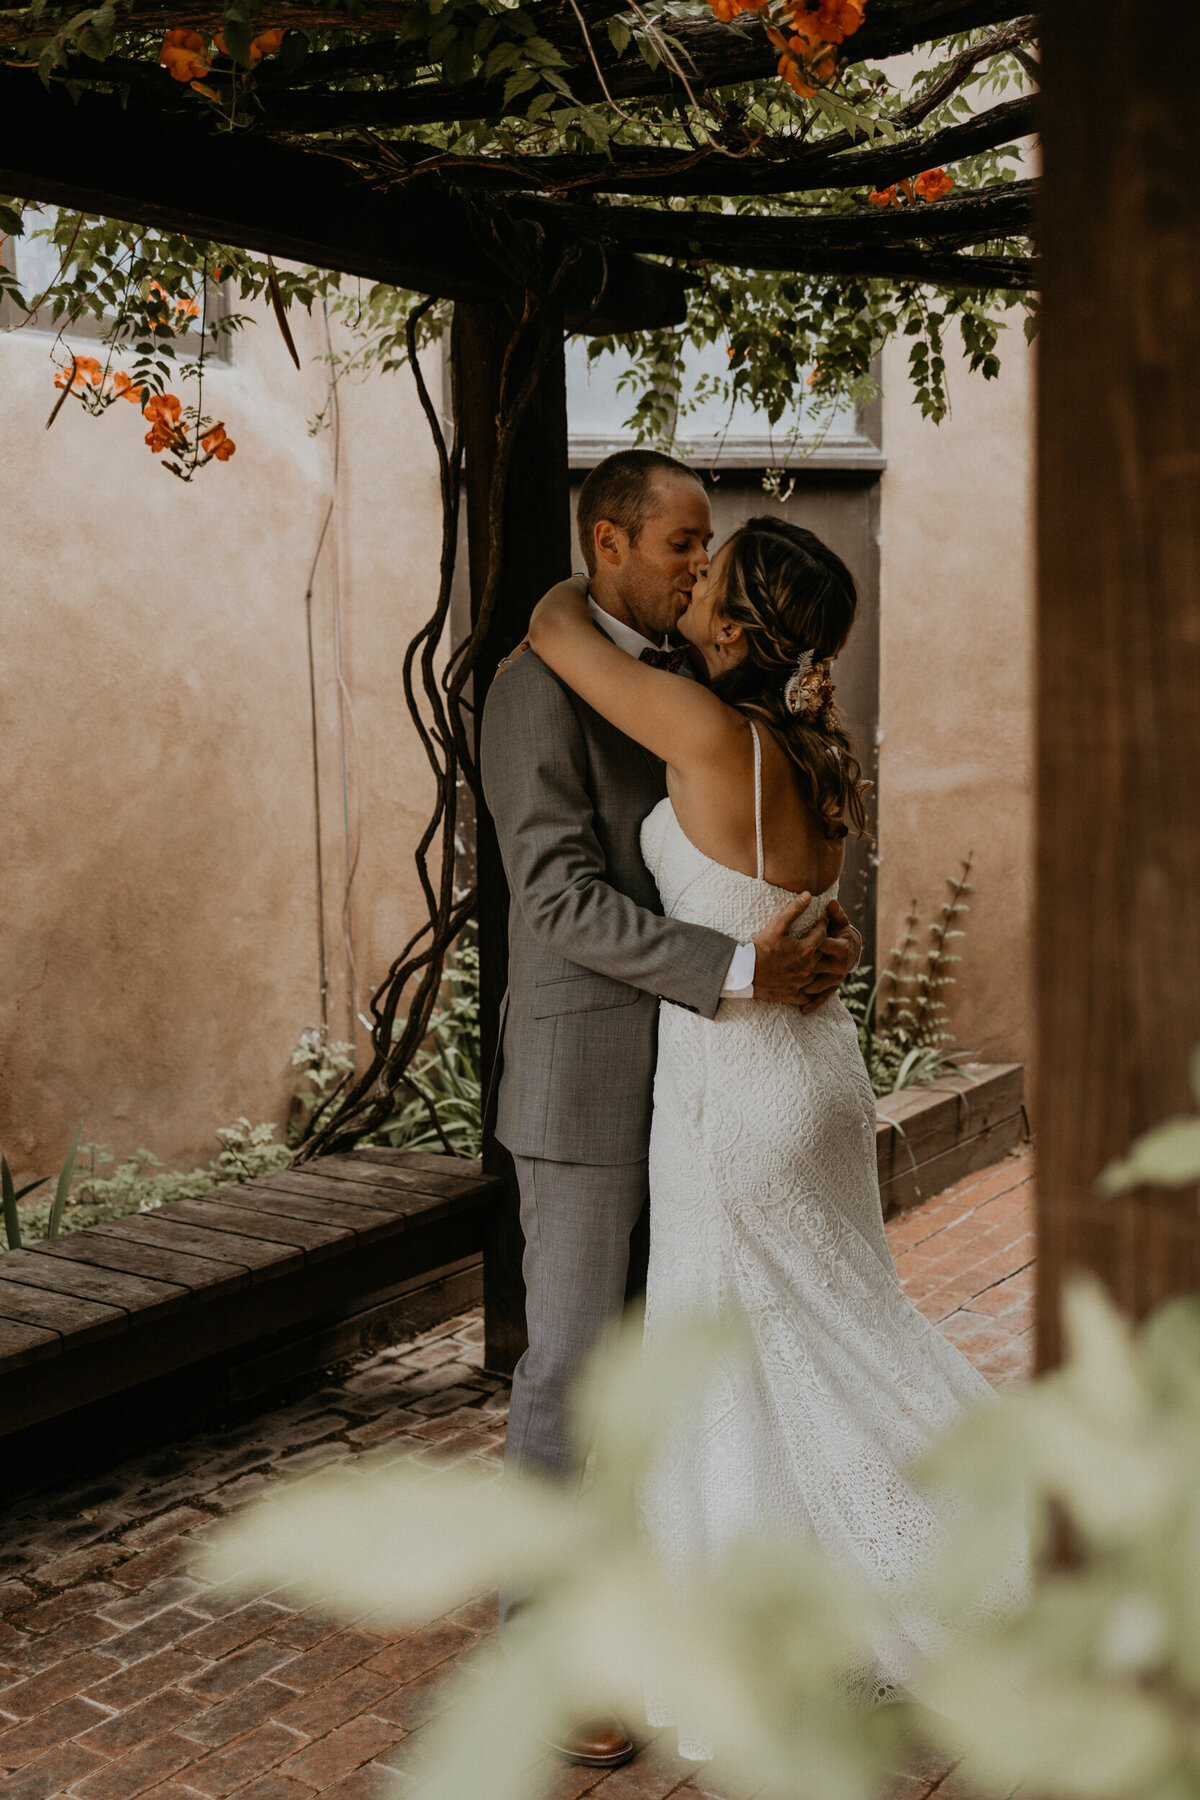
86, 371
162, 409
184, 55
837, 19
161, 437
262, 45
934, 184
124, 387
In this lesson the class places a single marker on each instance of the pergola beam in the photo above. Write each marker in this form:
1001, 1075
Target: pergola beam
713, 56
679, 173
909, 243
553, 17
179, 175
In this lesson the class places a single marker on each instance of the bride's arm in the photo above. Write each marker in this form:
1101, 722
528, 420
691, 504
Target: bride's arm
676, 719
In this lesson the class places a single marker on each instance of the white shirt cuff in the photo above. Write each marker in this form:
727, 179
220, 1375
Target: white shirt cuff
739, 982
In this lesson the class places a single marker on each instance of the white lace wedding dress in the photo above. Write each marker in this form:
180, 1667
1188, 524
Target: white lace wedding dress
764, 1200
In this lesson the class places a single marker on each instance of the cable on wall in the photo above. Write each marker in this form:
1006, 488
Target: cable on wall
347, 739
323, 971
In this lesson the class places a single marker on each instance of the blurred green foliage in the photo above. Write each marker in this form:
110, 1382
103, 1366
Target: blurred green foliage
1075, 1497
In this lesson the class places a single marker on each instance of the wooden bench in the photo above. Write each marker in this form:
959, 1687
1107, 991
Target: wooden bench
112, 1335
132, 1330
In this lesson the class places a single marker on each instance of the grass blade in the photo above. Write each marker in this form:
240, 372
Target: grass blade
63, 1185
12, 1225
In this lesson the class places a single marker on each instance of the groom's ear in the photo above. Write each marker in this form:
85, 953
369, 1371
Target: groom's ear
609, 541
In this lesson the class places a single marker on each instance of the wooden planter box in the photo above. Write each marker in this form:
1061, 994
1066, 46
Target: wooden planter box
930, 1137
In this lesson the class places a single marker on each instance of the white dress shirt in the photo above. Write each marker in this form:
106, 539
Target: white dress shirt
739, 980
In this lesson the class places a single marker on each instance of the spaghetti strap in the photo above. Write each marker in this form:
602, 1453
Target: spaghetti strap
758, 832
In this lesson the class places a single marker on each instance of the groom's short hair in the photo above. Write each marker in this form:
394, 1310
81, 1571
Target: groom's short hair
619, 489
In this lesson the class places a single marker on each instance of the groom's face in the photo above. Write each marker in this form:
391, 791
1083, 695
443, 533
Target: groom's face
658, 568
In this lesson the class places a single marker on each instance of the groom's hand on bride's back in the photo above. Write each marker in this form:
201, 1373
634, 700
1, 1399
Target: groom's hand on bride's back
838, 957
804, 971
785, 966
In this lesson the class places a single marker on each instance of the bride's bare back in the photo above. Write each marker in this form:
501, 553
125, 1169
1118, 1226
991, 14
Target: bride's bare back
712, 792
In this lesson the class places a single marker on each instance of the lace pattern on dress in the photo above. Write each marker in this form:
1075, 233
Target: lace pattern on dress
765, 1201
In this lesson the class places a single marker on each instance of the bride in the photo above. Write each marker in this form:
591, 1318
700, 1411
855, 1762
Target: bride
764, 1196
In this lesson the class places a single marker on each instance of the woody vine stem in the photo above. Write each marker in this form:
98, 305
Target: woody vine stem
442, 714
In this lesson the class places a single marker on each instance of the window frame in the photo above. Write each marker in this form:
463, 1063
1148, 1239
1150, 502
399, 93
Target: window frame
185, 347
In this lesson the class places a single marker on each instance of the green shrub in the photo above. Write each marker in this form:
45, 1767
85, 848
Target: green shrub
141, 1181
324, 1068
53, 1210
901, 1019
447, 1074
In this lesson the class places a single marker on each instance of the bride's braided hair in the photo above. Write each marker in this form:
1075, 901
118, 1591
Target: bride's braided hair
791, 594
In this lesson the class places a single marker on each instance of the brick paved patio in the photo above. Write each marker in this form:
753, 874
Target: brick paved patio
121, 1676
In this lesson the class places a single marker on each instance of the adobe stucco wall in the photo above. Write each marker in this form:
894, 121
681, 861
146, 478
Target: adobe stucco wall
956, 609
158, 957
159, 949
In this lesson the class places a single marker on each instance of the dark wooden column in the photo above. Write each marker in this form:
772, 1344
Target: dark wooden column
535, 553
1118, 915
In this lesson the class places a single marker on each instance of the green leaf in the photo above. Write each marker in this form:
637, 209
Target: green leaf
520, 83
504, 56
11, 222
12, 1224
458, 63
237, 36
619, 35
63, 1185
540, 50
649, 54
292, 53
92, 44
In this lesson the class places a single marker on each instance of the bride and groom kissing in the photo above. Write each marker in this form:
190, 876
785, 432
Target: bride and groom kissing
672, 788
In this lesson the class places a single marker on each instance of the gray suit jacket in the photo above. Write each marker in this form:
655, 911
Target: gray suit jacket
589, 952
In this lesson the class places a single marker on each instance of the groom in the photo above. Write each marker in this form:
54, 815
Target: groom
590, 955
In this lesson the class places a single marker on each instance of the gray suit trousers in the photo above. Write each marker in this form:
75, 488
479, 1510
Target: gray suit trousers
577, 1219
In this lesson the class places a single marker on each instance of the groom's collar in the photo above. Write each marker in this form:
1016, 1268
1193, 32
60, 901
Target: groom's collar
622, 635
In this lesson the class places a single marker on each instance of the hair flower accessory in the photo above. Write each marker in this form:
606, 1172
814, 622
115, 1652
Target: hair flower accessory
808, 690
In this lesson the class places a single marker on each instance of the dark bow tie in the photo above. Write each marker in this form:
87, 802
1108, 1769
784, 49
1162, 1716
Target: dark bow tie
672, 660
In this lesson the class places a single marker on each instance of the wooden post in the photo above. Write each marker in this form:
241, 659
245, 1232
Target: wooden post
536, 552
1118, 917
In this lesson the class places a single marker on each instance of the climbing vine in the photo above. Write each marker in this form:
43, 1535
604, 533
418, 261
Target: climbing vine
815, 206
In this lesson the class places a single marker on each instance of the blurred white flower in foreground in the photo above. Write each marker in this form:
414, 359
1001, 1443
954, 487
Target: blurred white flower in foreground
1088, 1690
762, 1648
